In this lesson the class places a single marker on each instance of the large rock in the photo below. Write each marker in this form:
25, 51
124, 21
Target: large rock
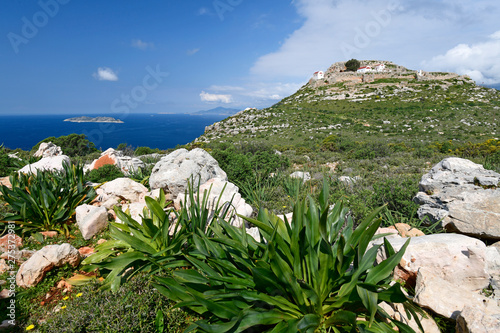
91, 220
126, 164
124, 188
135, 210
397, 311
478, 320
173, 171
464, 195
55, 163
48, 149
34, 269
227, 195
445, 264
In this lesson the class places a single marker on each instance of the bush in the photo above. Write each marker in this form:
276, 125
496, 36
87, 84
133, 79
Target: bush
397, 194
71, 145
139, 151
106, 173
6, 163
312, 275
47, 200
352, 65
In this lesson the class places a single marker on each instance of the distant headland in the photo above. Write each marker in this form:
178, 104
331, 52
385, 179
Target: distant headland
94, 120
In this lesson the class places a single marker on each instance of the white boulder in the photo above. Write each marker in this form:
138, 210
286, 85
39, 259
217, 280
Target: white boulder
48, 149
33, 270
124, 188
91, 220
54, 163
227, 195
173, 171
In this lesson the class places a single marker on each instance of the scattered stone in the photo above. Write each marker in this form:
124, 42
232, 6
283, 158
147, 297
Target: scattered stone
18, 256
6, 182
3, 266
135, 210
406, 230
48, 149
10, 242
346, 180
91, 220
49, 234
123, 188
102, 240
54, 163
173, 171
464, 195
254, 232
34, 269
4, 294
85, 251
228, 196
305, 176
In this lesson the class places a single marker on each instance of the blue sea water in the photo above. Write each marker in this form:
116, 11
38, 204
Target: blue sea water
161, 131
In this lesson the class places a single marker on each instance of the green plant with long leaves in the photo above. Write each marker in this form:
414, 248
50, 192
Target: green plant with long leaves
46, 200
315, 274
155, 244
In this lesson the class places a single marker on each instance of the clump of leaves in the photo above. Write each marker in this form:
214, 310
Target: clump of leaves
46, 200
315, 273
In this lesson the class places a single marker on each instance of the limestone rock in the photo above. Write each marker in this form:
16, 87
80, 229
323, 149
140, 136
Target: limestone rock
173, 171
3, 266
457, 259
305, 176
254, 232
91, 220
135, 210
10, 242
478, 320
48, 149
124, 188
464, 195
228, 196
111, 156
54, 163
32, 271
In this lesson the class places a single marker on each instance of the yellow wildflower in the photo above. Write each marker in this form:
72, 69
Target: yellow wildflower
65, 298
79, 295
63, 307
30, 327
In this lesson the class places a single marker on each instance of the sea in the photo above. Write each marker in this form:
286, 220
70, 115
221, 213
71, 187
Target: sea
161, 131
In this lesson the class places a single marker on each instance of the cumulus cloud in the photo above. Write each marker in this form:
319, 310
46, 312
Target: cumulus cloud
207, 97
142, 45
192, 52
105, 74
479, 60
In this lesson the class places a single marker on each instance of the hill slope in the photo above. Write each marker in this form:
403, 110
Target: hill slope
395, 106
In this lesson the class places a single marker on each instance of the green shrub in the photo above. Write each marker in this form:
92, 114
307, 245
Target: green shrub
106, 173
47, 200
312, 275
71, 145
6, 165
352, 65
397, 193
139, 151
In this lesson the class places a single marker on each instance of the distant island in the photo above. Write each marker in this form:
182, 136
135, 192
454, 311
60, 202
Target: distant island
94, 120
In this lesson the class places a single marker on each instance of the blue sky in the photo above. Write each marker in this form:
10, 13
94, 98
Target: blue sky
100, 57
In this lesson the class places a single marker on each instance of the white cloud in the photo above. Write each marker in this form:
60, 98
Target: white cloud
405, 32
206, 97
105, 74
141, 45
480, 60
192, 52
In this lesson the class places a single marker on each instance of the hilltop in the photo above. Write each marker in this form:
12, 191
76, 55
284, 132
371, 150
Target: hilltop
86, 119
396, 105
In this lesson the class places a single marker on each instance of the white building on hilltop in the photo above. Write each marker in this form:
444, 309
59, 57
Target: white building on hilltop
364, 69
318, 75
380, 67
